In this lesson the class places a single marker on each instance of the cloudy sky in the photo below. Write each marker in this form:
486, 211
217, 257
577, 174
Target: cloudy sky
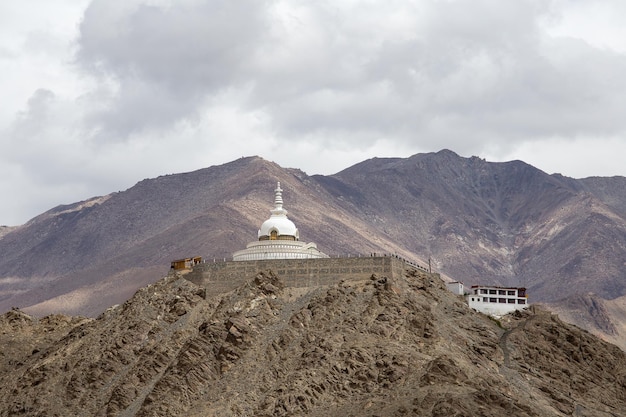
100, 94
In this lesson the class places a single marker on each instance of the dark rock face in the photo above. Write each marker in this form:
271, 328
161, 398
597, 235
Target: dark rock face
379, 346
479, 222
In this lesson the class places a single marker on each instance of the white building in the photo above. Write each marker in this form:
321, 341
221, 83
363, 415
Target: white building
278, 238
497, 301
456, 287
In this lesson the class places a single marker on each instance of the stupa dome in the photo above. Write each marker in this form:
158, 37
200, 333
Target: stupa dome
278, 238
278, 226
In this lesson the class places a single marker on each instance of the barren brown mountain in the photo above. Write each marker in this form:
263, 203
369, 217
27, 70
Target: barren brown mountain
373, 347
498, 223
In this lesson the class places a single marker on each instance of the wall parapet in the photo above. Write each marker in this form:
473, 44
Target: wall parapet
220, 277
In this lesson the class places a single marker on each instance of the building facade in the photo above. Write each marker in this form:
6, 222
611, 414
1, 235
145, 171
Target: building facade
185, 263
497, 301
456, 287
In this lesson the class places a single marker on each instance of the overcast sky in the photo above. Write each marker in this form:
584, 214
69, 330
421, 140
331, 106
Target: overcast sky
100, 94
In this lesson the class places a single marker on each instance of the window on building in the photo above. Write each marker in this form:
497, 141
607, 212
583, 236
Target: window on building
492, 291
502, 300
483, 291
511, 300
485, 300
501, 292
521, 301
493, 300
510, 292
521, 292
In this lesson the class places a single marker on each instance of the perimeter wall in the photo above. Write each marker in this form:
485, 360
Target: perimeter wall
220, 277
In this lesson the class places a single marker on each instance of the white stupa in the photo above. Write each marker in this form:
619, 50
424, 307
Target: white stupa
278, 238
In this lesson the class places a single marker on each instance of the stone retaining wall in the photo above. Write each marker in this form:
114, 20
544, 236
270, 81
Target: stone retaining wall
219, 277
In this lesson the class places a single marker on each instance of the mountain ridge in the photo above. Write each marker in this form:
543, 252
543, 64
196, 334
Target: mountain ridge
502, 223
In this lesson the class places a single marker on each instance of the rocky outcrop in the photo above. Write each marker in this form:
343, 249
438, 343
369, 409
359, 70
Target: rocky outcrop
379, 346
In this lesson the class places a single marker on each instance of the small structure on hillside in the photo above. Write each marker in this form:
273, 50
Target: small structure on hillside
279, 238
497, 301
185, 263
456, 287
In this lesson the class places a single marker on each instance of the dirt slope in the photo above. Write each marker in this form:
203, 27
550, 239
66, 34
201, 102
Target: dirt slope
377, 347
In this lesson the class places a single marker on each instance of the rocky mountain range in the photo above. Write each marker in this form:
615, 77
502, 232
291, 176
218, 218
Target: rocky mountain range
476, 221
378, 346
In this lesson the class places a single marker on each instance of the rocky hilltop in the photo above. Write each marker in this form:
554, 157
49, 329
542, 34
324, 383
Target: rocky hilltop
380, 346
478, 222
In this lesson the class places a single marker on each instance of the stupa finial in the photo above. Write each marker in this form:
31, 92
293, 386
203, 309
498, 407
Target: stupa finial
278, 197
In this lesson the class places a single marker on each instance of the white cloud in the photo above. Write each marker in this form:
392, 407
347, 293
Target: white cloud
597, 22
587, 157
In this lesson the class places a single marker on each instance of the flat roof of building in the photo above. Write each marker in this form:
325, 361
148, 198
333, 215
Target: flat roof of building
498, 287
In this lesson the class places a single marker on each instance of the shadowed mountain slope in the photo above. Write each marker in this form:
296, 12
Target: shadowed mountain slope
505, 223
